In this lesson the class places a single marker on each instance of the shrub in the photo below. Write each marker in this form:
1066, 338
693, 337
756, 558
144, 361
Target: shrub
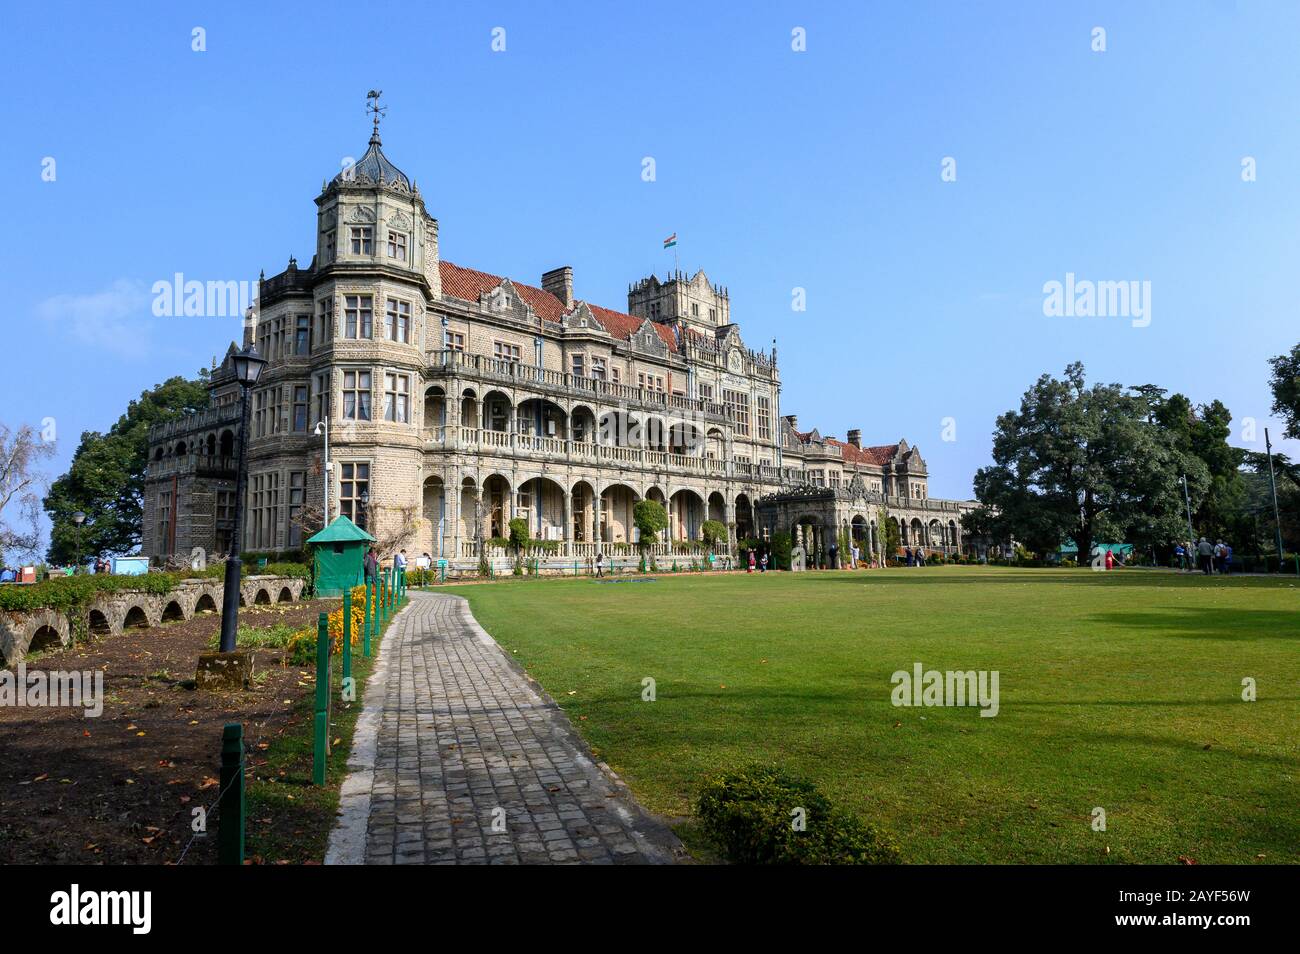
781, 547
649, 517
518, 533
301, 646
714, 532
749, 815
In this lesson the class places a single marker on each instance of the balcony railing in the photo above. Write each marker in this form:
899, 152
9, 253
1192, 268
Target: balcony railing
555, 449
200, 465
515, 373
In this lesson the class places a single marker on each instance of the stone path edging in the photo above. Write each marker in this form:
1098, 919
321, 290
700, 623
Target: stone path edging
460, 757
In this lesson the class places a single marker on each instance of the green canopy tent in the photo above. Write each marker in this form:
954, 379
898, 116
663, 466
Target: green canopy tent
1122, 550
340, 556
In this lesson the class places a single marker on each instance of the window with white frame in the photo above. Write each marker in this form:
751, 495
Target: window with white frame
358, 316
356, 395
764, 418
363, 240
354, 483
324, 320
297, 496
397, 320
738, 403
504, 351
598, 368
579, 366
300, 408
321, 407
397, 245
397, 398
455, 341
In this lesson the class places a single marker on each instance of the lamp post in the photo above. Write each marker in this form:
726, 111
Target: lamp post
365, 503
78, 518
248, 366
323, 429
1277, 517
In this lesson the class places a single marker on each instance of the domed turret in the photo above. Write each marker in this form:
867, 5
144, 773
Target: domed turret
374, 167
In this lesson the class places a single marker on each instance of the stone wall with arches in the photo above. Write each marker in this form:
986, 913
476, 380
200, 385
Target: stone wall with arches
112, 614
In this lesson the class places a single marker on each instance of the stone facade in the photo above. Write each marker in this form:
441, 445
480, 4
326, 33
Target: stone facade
457, 399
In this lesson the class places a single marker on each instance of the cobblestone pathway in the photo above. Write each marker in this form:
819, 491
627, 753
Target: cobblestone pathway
459, 759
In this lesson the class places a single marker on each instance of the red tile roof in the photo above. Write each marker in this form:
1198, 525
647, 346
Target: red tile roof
879, 455
468, 284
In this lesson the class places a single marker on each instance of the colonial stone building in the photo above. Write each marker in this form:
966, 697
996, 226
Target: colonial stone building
458, 398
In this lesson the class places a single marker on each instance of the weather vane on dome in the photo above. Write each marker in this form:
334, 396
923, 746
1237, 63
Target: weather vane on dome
372, 106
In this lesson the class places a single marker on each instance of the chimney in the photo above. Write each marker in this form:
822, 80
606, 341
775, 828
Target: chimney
855, 437
559, 282
794, 421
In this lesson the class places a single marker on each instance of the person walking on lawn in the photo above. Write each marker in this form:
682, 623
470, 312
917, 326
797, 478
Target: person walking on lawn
1205, 555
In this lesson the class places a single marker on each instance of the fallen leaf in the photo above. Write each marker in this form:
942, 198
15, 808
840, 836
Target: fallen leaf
1185, 860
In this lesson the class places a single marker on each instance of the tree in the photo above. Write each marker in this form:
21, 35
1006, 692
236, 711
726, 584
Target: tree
1202, 432
106, 478
518, 529
1285, 383
889, 537
1087, 463
21, 452
714, 533
649, 517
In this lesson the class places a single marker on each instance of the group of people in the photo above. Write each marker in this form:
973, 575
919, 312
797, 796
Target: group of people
760, 563
1210, 557
371, 563
913, 557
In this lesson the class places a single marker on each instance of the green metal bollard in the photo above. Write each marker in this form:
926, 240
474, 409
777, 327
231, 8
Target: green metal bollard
365, 628
230, 831
322, 721
370, 609
347, 634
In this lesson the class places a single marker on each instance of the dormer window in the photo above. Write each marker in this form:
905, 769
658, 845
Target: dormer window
397, 245
363, 240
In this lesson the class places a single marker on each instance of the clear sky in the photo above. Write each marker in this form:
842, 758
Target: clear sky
777, 169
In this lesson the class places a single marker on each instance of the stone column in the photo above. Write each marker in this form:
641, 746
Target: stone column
596, 536
568, 523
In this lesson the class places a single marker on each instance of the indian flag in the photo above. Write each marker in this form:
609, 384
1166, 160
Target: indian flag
670, 241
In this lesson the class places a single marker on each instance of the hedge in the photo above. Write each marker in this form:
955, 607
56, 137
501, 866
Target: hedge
752, 818
69, 593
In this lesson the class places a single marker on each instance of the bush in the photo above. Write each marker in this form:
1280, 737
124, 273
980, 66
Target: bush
781, 547
714, 532
749, 815
301, 646
518, 528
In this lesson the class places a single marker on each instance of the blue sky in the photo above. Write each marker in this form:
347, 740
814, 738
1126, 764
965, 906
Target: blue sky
777, 169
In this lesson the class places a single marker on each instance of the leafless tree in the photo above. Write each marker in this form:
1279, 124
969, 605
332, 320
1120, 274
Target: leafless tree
21, 481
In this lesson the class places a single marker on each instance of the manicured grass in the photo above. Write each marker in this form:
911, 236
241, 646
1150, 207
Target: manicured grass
1119, 690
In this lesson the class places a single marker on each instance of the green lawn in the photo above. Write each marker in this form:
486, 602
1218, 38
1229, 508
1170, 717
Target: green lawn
1119, 690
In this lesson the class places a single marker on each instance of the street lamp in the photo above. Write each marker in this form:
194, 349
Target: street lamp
323, 428
365, 501
248, 366
79, 518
